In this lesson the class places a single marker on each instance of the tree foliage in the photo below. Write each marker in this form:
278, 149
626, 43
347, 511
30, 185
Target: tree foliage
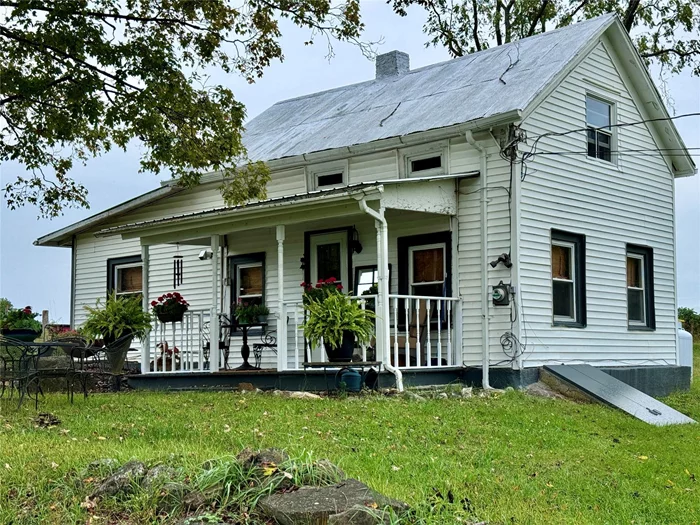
80, 76
691, 320
665, 31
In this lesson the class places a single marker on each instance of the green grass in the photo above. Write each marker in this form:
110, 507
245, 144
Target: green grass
508, 459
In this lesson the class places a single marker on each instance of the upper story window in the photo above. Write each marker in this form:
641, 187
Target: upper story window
328, 175
125, 276
424, 165
640, 287
598, 120
568, 279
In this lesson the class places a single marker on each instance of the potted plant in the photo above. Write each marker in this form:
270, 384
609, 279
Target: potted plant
118, 317
261, 312
339, 322
322, 289
170, 308
18, 323
247, 313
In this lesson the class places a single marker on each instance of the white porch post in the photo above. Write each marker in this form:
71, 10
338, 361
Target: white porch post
146, 343
282, 323
214, 316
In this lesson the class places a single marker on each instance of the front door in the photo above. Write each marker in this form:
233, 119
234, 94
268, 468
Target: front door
329, 258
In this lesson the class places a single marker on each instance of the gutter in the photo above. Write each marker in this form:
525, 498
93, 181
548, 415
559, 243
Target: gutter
485, 357
383, 295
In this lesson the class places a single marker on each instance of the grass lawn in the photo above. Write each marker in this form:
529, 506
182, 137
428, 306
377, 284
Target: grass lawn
508, 459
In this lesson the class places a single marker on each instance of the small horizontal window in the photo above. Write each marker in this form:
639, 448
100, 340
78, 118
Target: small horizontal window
429, 163
332, 179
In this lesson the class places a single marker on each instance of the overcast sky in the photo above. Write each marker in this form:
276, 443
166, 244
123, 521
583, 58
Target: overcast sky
40, 277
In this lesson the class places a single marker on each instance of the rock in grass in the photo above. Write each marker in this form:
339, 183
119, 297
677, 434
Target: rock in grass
202, 519
198, 499
170, 495
122, 481
101, 466
157, 476
312, 505
413, 396
249, 458
360, 515
304, 395
467, 391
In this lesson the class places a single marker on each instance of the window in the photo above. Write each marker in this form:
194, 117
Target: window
427, 271
568, 279
125, 276
599, 115
328, 256
248, 278
640, 284
425, 160
425, 164
366, 277
332, 179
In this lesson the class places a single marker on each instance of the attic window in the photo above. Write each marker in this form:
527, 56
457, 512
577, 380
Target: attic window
330, 179
599, 115
428, 163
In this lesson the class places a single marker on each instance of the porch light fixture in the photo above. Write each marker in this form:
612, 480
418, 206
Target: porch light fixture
355, 244
206, 254
504, 258
303, 264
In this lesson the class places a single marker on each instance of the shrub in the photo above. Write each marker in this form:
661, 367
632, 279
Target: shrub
335, 314
119, 316
17, 318
691, 321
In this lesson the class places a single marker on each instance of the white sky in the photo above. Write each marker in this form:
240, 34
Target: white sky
40, 277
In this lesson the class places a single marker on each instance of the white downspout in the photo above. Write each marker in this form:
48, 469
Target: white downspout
485, 295
383, 295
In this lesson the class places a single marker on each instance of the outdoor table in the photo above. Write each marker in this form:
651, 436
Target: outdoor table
245, 349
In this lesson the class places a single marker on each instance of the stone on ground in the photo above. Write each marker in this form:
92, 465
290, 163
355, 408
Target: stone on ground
249, 458
122, 481
246, 387
157, 476
314, 505
304, 395
360, 515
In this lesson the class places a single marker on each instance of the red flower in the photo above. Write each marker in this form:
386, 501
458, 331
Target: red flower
339, 287
27, 311
160, 298
331, 280
153, 303
303, 284
177, 295
168, 295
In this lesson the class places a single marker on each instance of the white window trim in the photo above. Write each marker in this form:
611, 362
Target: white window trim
419, 248
328, 168
612, 132
425, 151
572, 271
635, 322
239, 267
124, 266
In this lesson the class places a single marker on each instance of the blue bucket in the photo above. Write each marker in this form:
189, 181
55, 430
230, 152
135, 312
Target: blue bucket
351, 378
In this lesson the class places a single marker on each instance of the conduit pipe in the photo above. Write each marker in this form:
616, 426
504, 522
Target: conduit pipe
383, 285
485, 295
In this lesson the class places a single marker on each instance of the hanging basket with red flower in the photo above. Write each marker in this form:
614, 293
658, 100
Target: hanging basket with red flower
170, 307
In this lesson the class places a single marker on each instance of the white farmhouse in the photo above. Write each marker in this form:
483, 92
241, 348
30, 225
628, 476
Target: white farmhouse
514, 207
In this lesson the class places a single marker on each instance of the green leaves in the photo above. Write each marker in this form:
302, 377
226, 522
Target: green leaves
81, 77
336, 313
119, 316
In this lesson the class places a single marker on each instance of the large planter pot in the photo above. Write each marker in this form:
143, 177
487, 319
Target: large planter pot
116, 355
342, 354
171, 317
21, 334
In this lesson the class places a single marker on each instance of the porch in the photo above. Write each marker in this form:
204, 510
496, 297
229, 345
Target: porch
390, 248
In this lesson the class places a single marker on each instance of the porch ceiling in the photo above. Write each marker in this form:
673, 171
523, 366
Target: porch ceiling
430, 195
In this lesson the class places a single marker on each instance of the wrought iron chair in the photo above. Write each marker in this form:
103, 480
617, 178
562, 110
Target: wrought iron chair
225, 326
108, 361
15, 369
268, 341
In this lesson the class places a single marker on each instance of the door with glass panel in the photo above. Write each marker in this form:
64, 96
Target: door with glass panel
329, 257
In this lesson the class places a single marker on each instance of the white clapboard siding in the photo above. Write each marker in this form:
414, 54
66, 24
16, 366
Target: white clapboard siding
611, 204
376, 166
464, 159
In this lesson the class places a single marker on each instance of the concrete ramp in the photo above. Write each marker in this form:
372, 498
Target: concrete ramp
605, 388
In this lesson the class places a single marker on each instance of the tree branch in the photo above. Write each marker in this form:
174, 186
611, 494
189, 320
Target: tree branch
681, 54
51, 84
537, 18
475, 28
630, 12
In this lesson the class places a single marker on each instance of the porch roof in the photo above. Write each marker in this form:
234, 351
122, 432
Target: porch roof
389, 191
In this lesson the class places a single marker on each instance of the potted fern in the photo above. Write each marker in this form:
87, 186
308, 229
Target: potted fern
119, 319
339, 322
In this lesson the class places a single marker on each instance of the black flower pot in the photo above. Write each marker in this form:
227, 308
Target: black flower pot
342, 354
171, 317
21, 334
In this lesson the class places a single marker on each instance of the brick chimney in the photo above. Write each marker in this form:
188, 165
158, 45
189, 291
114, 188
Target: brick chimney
392, 64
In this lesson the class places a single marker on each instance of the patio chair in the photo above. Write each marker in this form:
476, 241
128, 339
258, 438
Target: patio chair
47, 366
225, 327
15, 370
268, 341
108, 361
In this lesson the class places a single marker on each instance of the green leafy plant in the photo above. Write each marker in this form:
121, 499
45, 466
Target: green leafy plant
691, 320
17, 318
335, 314
117, 317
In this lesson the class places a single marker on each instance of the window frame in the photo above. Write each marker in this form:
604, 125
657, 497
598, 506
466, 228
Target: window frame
421, 247
116, 263
328, 168
577, 243
434, 149
245, 260
572, 272
427, 172
611, 133
646, 255
307, 262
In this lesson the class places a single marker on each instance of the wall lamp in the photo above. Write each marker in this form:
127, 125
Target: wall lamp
503, 258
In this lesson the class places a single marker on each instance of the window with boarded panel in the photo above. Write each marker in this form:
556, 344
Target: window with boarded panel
568, 279
640, 287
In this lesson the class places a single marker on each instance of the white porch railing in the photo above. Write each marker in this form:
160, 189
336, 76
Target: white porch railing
185, 350
422, 332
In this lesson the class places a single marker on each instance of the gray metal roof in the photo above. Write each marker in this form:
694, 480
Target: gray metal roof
465, 89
